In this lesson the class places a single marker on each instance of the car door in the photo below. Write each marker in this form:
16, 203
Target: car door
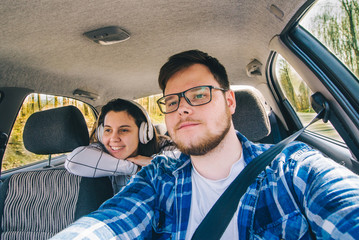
309, 58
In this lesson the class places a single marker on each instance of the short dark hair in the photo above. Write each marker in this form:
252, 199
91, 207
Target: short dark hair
186, 59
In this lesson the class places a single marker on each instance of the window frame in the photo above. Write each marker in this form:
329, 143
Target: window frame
338, 83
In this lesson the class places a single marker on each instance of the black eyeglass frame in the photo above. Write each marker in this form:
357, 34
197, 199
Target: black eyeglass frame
182, 94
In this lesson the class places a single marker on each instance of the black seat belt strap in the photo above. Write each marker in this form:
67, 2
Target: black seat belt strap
217, 219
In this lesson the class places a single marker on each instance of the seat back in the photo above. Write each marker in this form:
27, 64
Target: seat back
38, 204
250, 117
254, 119
161, 129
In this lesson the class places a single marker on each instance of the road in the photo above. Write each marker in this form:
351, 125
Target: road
319, 127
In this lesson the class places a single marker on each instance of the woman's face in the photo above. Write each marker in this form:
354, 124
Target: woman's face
120, 135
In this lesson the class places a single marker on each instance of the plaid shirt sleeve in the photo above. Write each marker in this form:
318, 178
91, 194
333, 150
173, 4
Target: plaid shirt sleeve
86, 228
329, 193
301, 195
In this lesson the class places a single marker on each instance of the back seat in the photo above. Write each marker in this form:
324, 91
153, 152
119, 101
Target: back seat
38, 204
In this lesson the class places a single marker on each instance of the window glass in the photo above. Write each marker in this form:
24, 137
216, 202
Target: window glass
335, 23
16, 155
157, 117
150, 104
298, 94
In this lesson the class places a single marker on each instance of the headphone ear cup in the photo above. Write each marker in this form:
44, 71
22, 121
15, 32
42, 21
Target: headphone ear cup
145, 133
150, 131
99, 133
142, 133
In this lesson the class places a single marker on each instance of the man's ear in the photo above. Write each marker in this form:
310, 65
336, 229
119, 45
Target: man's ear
231, 101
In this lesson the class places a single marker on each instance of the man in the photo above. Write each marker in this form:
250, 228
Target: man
301, 195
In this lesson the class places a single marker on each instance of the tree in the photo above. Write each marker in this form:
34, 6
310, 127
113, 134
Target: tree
32, 103
304, 94
286, 83
339, 31
86, 110
56, 102
39, 102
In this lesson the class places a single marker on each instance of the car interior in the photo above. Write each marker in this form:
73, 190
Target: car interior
37, 204
60, 61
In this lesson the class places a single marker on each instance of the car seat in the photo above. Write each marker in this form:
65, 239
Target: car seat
37, 204
252, 119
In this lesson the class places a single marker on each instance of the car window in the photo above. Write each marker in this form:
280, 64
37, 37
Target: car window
298, 94
335, 23
150, 104
16, 155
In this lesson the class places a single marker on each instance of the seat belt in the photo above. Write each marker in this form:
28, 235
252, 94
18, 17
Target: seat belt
217, 219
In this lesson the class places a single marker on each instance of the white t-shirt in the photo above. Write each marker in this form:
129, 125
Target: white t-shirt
205, 193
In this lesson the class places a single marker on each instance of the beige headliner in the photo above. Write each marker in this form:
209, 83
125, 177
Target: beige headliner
42, 46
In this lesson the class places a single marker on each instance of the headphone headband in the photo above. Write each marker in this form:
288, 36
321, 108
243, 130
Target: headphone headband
146, 131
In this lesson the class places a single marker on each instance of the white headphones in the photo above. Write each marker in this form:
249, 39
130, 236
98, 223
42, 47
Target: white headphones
145, 132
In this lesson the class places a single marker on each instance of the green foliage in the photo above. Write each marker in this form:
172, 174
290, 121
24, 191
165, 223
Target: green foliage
337, 26
150, 104
16, 155
304, 98
286, 82
295, 90
339, 31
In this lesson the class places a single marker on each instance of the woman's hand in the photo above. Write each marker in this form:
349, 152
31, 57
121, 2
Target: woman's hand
140, 160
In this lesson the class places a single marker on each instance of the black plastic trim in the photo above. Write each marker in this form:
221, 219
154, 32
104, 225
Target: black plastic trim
332, 149
337, 79
290, 117
341, 83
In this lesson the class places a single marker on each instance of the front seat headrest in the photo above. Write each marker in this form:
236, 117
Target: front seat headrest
250, 117
57, 130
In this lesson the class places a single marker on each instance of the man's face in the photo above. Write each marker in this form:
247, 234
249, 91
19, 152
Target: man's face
196, 130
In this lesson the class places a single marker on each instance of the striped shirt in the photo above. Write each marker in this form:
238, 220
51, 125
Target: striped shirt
301, 195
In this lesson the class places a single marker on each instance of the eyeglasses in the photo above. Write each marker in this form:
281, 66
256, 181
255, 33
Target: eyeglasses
194, 96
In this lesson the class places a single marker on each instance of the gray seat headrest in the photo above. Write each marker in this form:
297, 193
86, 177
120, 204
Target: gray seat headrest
161, 128
250, 117
57, 130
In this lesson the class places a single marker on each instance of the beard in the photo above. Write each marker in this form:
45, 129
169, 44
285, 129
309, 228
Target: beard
208, 142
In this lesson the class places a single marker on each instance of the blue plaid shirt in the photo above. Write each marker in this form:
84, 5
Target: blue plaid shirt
301, 195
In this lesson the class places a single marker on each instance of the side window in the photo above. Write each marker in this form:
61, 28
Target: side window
158, 119
150, 104
16, 155
335, 23
298, 94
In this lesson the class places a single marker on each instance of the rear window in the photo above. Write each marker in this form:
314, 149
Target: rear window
16, 156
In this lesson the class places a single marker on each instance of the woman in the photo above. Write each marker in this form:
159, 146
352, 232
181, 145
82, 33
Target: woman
123, 131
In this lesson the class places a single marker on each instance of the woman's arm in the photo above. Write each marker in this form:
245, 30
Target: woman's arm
92, 161
166, 146
140, 160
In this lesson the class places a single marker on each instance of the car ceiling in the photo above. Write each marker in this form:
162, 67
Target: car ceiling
43, 47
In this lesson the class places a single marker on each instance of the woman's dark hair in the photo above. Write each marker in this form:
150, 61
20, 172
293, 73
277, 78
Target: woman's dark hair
119, 105
186, 59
